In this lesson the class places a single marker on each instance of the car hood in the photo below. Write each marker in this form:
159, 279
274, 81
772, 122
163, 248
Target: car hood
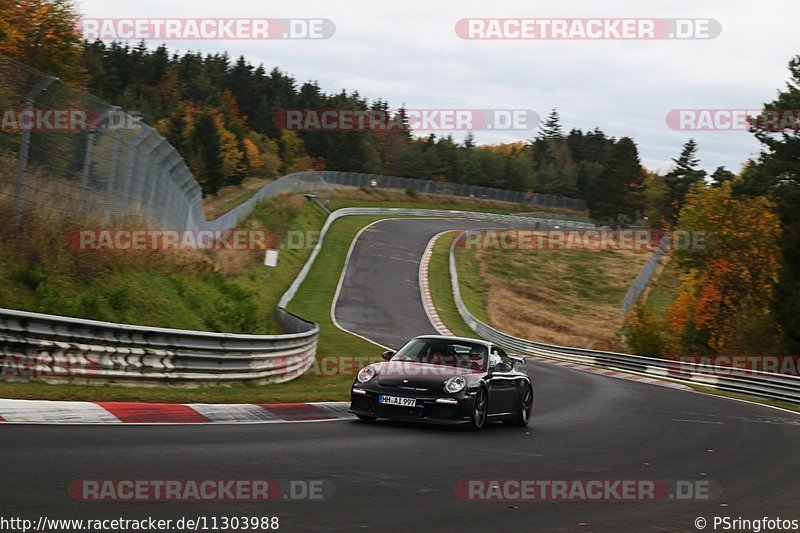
417, 375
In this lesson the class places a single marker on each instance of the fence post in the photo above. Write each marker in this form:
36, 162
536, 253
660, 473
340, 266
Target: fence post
87, 161
133, 150
157, 163
87, 165
112, 170
25, 147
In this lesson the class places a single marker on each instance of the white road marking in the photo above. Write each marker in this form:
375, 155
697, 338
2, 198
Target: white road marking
697, 421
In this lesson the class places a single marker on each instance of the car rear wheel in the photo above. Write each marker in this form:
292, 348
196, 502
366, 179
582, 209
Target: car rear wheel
366, 418
479, 411
525, 409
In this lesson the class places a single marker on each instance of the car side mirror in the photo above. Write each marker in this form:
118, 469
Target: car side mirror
517, 361
502, 367
387, 355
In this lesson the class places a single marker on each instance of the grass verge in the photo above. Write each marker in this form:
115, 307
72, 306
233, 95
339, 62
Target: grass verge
663, 289
473, 290
772, 403
556, 296
299, 390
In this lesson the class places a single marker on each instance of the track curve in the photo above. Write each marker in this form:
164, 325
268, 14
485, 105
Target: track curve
379, 296
397, 477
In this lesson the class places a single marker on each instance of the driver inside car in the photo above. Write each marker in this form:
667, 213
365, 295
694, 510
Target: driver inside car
476, 356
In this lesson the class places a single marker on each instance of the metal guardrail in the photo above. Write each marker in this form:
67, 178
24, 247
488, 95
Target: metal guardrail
322, 182
447, 188
644, 276
55, 349
753, 383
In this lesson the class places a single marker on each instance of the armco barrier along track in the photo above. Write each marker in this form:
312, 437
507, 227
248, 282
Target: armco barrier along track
54, 348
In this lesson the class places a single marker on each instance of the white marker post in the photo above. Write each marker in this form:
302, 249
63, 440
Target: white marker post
271, 260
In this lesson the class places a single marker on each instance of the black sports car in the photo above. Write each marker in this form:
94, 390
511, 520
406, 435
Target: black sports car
444, 380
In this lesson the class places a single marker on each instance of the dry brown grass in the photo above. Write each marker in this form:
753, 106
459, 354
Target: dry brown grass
46, 237
563, 297
531, 319
40, 242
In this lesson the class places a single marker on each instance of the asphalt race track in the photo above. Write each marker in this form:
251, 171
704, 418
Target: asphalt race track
400, 477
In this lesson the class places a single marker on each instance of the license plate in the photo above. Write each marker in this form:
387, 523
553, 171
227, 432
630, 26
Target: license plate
396, 400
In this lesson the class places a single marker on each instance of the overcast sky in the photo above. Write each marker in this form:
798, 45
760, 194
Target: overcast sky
407, 52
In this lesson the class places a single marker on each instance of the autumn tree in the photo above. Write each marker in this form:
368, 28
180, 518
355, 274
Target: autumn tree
615, 191
684, 174
293, 153
206, 158
721, 175
733, 267
43, 34
656, 201
776, 172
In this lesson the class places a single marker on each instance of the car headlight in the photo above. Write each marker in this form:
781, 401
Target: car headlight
366, 374
455, 384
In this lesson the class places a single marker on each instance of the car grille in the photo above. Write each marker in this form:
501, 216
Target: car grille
396, 410
406, 387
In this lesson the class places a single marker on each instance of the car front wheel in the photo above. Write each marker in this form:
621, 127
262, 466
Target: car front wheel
525, 408
480, 409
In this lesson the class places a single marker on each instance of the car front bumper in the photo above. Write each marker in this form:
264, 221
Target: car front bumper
427, 409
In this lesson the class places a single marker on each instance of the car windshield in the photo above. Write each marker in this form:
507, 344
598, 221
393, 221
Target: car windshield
444, 352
